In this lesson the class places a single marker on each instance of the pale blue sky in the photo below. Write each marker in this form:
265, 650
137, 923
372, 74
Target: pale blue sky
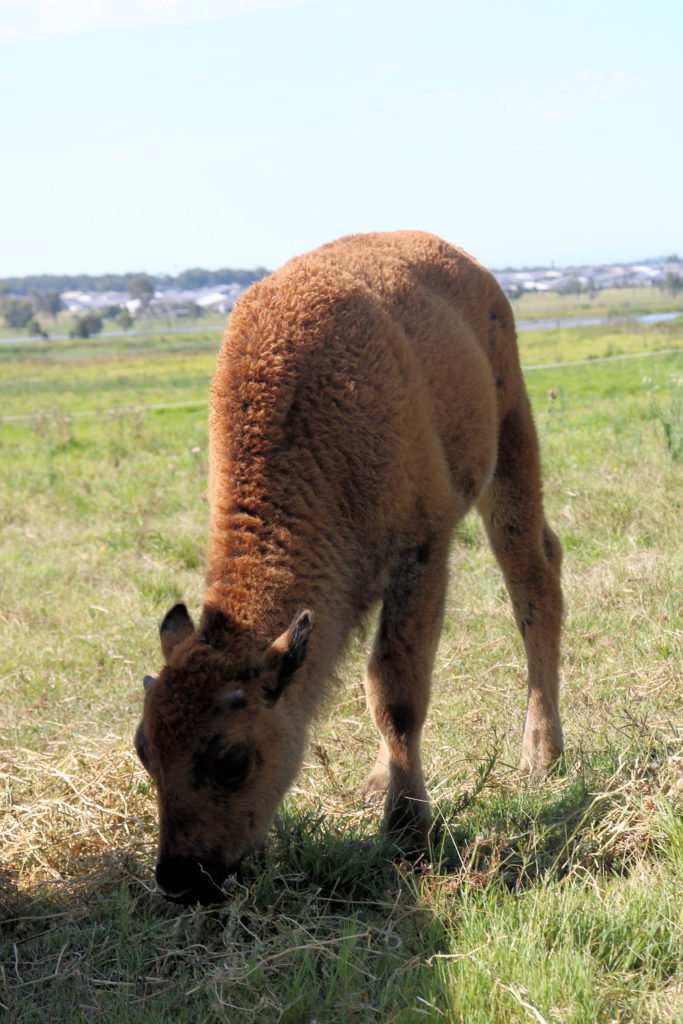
161, 134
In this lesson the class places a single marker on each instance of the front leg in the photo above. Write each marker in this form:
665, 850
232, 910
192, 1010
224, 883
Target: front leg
398, 682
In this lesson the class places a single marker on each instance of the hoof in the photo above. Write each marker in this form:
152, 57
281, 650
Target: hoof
358, 847
537, 766
408, 824
376, 782
541, 749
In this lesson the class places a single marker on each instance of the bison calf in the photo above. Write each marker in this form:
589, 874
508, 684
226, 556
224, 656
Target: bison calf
366, 396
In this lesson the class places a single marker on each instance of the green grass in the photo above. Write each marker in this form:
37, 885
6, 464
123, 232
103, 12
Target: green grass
555, 902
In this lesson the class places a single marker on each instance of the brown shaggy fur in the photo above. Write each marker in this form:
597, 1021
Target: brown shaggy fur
366, 396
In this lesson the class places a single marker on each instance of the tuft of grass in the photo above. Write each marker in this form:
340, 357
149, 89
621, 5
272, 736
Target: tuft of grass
667, 410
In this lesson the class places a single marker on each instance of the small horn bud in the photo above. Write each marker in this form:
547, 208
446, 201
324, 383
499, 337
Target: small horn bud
148, 682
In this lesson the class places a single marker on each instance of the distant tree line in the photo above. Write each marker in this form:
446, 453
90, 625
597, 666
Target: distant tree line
196, 277
21, 298
18, 312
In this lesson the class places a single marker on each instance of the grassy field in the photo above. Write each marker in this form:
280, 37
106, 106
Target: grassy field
615, 303
551, 902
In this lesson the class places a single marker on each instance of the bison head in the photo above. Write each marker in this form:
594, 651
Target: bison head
222, 741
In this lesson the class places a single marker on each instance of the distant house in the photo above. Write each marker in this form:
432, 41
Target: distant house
177, 301
646, 274
87, 302
221, 299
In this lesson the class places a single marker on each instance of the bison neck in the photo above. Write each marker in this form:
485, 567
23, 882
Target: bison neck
261, 571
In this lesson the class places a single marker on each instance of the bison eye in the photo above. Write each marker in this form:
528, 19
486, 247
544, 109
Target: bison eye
141, 746
227, 766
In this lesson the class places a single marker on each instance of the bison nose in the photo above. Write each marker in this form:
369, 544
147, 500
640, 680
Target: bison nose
191, 881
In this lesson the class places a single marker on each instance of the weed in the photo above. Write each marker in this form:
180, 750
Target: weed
666, 407
56, 434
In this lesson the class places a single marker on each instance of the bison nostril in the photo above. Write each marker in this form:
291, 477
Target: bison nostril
174, 877
191, 881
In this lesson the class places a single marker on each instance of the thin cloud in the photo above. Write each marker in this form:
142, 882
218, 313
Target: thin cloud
32, 19
613, 85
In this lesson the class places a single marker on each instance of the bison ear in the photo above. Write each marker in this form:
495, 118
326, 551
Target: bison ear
175, 628
286, 654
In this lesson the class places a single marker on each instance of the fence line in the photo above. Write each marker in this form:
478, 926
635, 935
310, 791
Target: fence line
602, 359
106, 412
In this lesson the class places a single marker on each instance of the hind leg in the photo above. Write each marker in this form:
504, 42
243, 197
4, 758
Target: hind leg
397, 684
530, 557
